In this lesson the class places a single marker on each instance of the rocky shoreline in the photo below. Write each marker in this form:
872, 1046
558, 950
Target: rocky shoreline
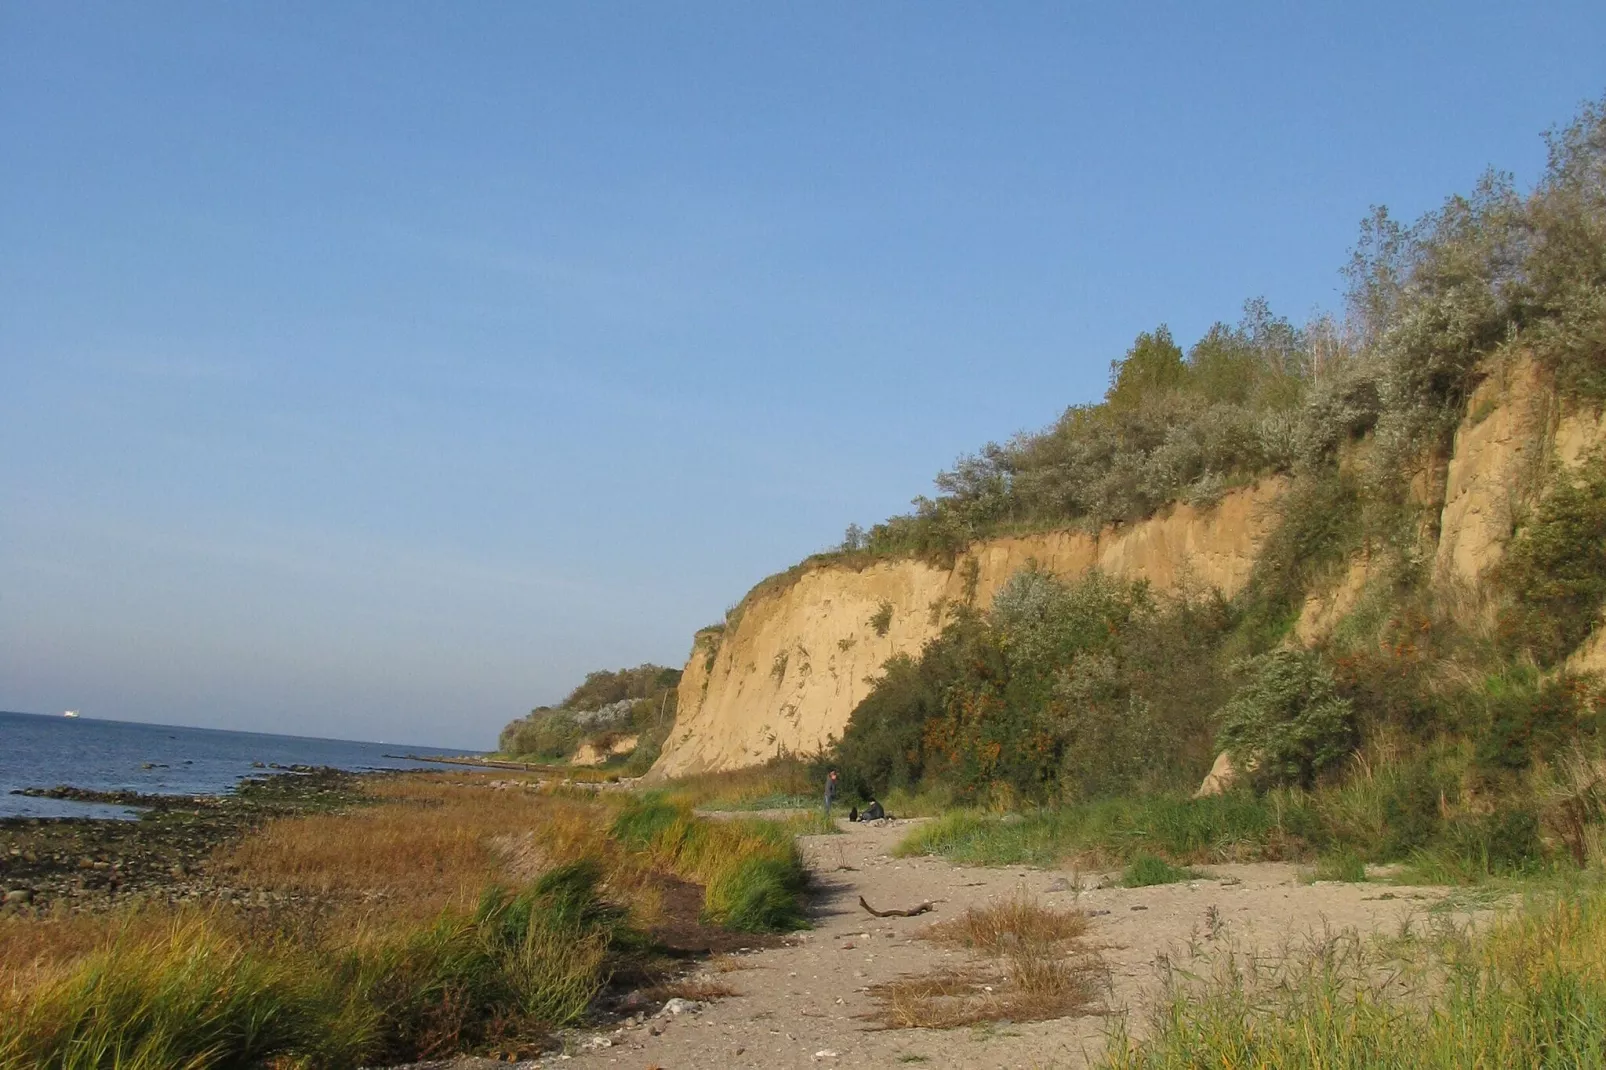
77, 863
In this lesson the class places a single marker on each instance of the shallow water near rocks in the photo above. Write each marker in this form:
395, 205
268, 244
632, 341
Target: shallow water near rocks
84, 752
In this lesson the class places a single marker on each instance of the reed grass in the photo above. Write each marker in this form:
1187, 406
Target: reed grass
780, 784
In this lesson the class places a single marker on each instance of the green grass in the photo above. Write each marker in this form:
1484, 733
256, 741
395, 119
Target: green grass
1394, 814
197, 996
1343, 866
1144, 871
1531, 992
772, 801
1225, 827
522, 963
811, 823
193, 998
752, 874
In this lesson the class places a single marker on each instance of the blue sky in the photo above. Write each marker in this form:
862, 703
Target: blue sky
374, 370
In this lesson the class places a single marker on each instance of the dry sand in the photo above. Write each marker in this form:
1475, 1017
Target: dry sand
800, 1005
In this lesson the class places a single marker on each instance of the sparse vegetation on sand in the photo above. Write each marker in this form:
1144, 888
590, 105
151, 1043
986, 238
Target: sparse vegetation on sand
1530, 992
1032, 967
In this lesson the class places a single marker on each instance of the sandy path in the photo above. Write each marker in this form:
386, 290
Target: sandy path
797, 1002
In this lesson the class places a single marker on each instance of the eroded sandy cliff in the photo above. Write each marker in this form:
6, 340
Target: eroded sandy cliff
798, 658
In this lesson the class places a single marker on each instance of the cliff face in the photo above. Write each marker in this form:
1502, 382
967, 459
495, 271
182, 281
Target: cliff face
1514, 439
797, 659
792, 666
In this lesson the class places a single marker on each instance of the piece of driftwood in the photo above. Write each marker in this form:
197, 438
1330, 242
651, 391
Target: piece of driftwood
921, 909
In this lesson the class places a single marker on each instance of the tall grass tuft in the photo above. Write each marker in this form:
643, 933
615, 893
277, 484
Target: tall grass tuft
1529, 993
519, 963
198, 995
194, 997
753, 876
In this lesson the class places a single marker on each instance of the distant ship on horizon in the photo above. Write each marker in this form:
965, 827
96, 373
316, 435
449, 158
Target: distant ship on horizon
69, 713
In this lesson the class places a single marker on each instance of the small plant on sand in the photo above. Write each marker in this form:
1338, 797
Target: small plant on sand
1034, 969
1144, 871
1344, 866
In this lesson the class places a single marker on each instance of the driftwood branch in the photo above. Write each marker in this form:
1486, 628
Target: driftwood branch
921, 909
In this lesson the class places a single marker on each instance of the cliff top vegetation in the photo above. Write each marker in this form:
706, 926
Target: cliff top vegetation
1427, 303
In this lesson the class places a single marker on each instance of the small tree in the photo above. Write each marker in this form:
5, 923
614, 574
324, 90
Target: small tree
1154, 364
853, 539
1287, 722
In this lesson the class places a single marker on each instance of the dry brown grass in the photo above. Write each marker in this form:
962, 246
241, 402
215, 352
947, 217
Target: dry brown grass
999, 928
729, 963
780, 783
1036, 970
427, 842
31, 948
433, 841
704, 990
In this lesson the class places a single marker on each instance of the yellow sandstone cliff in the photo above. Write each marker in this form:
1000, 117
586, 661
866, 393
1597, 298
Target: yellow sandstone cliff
798, 657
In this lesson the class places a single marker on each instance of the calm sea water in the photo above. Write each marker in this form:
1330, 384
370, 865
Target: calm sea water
42, 752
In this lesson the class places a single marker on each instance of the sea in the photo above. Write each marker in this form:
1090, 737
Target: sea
84, 752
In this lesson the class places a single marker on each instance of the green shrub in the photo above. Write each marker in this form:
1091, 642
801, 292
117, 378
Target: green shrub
545, 735
1555, 567
1287, 723
1146, 870
1078, 689
1412, 813
1319, 523
642, 699
1524, 716
1345, 866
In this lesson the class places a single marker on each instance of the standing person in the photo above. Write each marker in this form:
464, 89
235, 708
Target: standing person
830, 791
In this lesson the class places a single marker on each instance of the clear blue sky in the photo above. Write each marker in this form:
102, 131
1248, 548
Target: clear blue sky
374, 370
